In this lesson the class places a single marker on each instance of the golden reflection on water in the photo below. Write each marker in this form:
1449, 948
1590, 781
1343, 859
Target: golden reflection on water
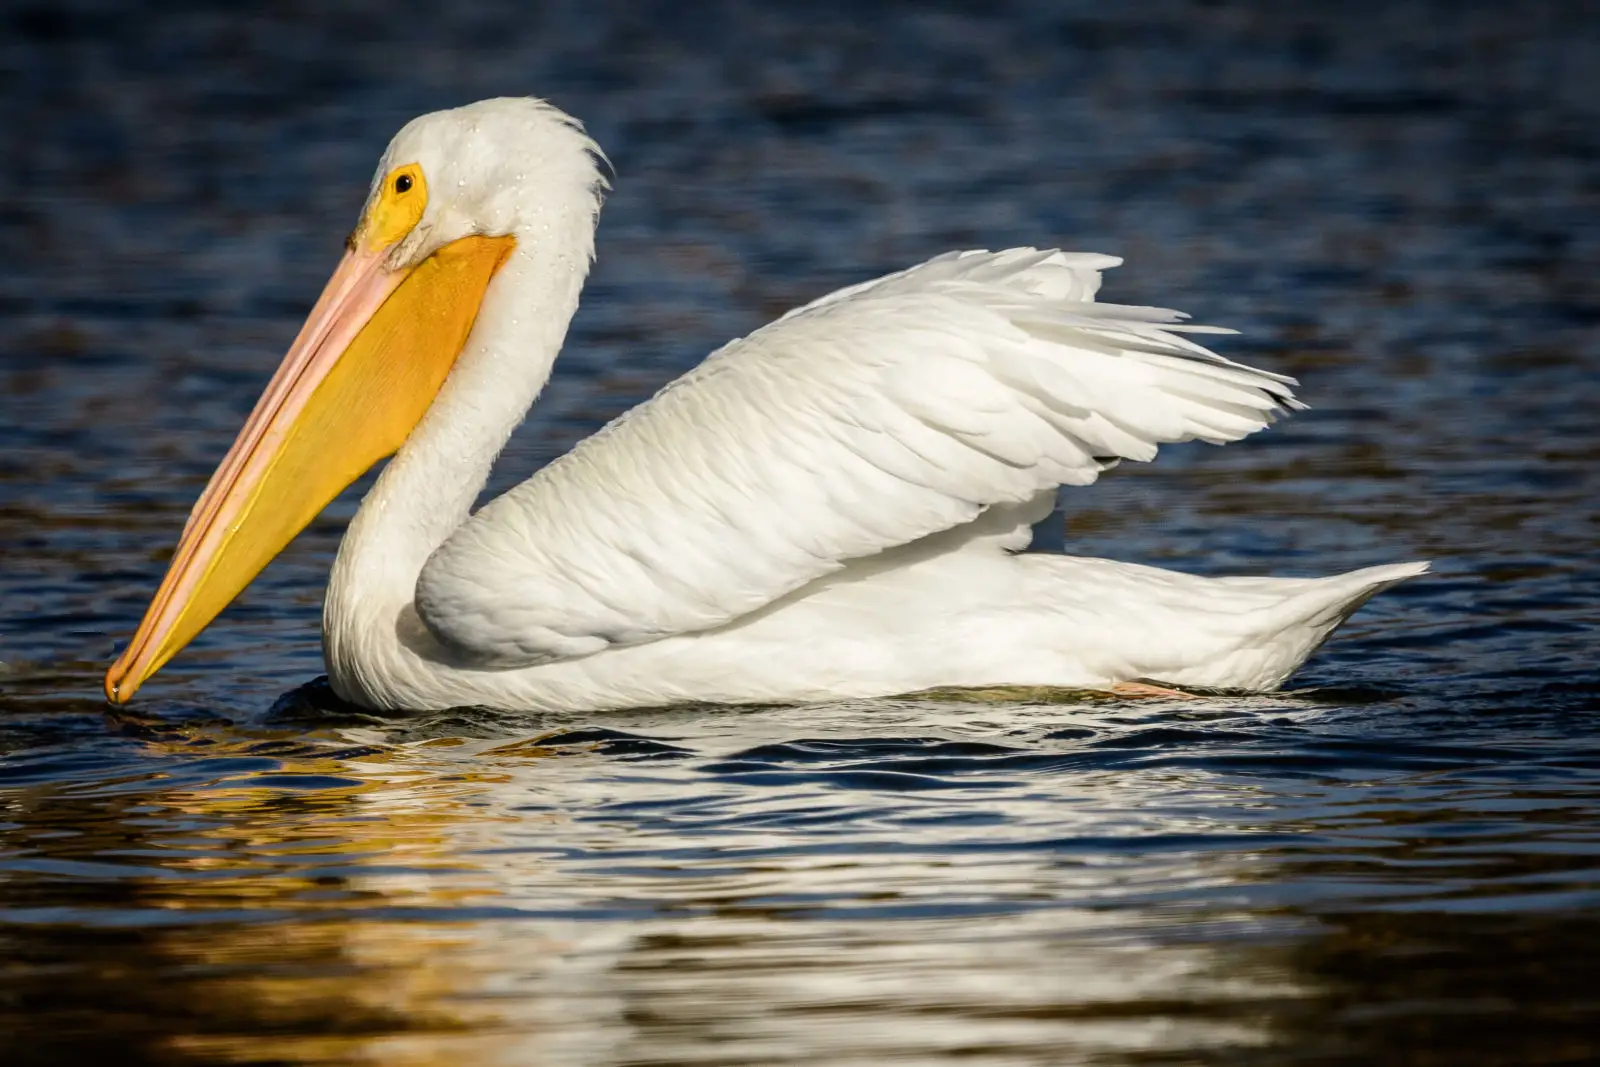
300, 921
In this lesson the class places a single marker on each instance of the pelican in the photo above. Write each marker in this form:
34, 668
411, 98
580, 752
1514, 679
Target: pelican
832, 507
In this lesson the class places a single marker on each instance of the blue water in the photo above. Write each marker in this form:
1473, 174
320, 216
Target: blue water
1397, 861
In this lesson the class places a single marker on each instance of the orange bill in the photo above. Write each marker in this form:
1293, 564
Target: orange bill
361, 374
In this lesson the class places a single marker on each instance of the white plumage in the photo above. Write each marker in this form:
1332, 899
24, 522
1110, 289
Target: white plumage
832, 506
865, 421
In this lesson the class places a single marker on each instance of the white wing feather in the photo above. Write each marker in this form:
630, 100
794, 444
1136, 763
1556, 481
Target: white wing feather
872, 417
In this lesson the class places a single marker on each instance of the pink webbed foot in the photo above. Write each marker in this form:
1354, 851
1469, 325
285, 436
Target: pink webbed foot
1145, 689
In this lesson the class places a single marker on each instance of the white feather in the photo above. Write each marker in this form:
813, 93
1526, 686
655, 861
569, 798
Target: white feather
765, 440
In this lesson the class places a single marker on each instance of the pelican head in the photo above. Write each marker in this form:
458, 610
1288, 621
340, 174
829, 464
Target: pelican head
497, 168
454, 195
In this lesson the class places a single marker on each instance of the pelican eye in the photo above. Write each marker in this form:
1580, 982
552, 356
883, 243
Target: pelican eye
399, 205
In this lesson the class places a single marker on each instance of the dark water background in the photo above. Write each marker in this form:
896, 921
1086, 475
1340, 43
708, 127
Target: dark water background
1397, 863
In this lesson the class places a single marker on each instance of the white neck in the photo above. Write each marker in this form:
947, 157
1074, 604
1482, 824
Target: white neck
428, 488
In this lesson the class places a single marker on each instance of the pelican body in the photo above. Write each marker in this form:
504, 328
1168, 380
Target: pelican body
834, 506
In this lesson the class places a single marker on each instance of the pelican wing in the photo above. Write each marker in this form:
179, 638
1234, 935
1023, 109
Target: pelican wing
874, 416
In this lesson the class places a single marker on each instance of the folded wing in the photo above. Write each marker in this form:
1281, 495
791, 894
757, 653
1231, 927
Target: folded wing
874, 416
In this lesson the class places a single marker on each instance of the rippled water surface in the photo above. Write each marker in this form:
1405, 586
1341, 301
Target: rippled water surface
1394, 862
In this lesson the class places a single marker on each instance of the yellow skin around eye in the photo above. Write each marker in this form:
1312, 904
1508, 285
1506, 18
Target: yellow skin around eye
394, 213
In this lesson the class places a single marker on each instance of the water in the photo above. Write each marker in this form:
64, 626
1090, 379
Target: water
1396, 862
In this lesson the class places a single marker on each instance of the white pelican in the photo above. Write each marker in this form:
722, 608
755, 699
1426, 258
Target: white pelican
831, 507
